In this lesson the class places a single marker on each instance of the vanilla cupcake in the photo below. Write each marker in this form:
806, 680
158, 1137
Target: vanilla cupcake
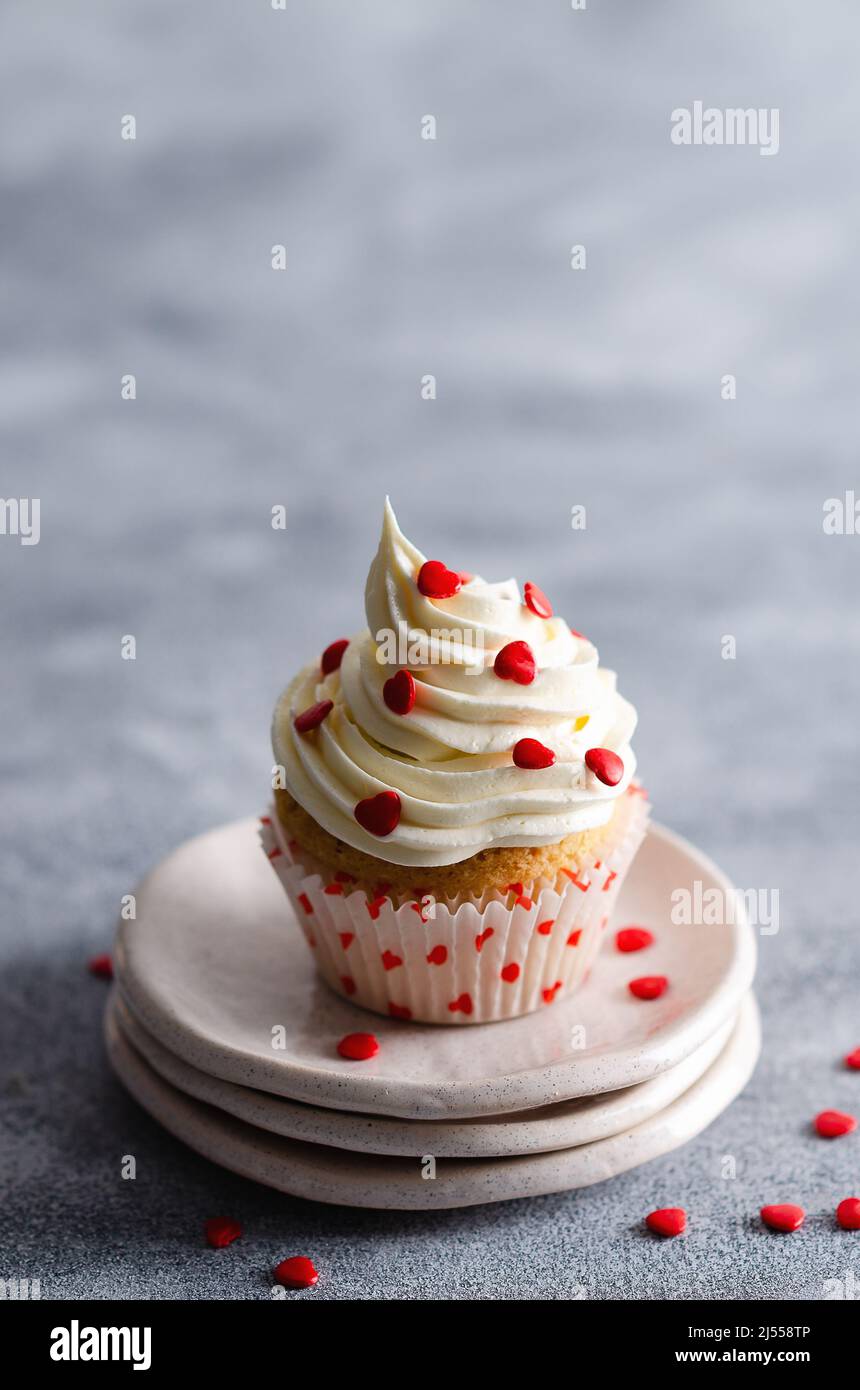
454, 806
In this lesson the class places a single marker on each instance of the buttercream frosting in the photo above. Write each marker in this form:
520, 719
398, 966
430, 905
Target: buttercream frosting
450, 758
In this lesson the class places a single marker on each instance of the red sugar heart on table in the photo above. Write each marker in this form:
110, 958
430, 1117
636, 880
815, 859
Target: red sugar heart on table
516, 662
848, 1214
398, 692
667, 1221
438, 955
333, 655
379, 814
461, 1005
831, 1124
101, 967
435, 580
313, 716
606, 765
633, 939
296, 1273
536, 600
784, 1216
221, 1231
648, 986
529, 753
852, 1061
358, 1047
510, 973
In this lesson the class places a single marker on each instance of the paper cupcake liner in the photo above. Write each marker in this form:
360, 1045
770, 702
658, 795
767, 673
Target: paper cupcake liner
463, 960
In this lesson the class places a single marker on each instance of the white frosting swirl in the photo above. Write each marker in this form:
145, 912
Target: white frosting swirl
449, 758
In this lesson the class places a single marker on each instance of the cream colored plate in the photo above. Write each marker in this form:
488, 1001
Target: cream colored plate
215, 969
364, 1180
559, 1126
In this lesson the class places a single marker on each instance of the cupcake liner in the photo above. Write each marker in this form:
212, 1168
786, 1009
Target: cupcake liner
461, 960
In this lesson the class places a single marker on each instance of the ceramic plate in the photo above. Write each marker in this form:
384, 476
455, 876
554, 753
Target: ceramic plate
559, 1126
215, 969
365, 1180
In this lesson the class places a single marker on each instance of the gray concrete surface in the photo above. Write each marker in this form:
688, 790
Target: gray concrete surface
599, 387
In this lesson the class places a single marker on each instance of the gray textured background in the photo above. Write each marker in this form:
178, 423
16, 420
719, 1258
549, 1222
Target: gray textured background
254, 388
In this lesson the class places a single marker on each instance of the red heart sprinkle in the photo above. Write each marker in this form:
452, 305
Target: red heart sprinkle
348, 984
101, 967
516, 662
313, 716
668, 1221
853, 1060
438, 955
346, 939
633, 939
379, 814
333, 655
296, 1273
510, 972
848, 1214
544, 928
529, 753
484, 936
573, 939
222, 1231
830, 1124
435, 580
783, 1217
606, 765
462, 1005
358, 1047
399, 1011
390, 961
549, 994
648, 986
398, 692
537, 600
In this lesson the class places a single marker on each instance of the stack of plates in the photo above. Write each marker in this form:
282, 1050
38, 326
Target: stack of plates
220, 1028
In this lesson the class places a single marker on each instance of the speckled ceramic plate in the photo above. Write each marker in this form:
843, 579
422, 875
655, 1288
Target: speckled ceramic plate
559, 1126
368, 1180
216, 971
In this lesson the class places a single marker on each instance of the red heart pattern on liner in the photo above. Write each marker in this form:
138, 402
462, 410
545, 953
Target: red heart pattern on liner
510, 973
462, 1005
379, 814
390, 961
482, 937
438, 955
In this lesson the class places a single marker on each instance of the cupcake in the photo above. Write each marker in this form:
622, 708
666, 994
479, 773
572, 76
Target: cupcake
454, 798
